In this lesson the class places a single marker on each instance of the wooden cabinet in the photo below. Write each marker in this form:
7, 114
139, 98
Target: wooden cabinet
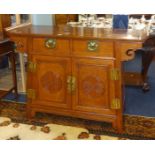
74, 75
80, 84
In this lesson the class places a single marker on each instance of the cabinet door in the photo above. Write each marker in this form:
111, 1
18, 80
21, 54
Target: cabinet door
94, 88
50, 81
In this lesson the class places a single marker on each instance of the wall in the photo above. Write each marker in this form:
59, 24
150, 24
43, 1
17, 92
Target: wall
42, 19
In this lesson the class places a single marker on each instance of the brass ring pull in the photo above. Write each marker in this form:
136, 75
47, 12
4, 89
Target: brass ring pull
92, 45
50, 43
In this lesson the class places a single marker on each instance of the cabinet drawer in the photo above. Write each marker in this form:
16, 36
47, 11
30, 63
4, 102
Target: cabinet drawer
91, 48
51, 46
124, 46
20, 44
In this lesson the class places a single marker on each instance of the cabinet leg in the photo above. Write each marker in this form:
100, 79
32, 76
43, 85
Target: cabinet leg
22, 68
14, 76
118, 126
120, 129
114, 125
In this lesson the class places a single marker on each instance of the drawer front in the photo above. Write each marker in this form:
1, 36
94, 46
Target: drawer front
91, 48
20, 44
128, 46
51, 46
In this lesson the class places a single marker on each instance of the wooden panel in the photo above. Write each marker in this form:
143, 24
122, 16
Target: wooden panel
124, 46
20, 43
74, 113
5, 21
105, 49
50, 81
62, 19
95, 90
61, 49
5, 46
3, 93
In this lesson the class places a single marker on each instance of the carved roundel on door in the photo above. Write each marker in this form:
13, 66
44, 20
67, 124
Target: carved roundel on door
51, 82
93, 86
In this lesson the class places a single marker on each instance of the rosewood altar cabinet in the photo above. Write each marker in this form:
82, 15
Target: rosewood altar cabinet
76, 71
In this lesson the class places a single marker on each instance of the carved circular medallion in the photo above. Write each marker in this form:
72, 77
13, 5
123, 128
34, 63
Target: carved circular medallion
51, 82
93, 86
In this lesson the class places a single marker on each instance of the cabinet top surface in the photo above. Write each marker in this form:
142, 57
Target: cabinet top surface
79, 32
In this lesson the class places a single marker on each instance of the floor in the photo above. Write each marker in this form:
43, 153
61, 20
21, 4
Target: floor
136, 101
6, 79
134, 127
20, 131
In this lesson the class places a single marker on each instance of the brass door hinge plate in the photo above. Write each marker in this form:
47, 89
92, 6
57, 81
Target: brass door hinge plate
31, 94
32, 66
71, 84
115, 74
116, 103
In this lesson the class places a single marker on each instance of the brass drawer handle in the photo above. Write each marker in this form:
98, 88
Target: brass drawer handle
92, 45
50, 43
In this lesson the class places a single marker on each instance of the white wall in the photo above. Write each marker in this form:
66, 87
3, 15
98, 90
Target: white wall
42, 19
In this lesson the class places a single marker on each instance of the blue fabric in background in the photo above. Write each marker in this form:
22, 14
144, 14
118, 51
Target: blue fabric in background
3, 62
136, 101
120, 21
22, 98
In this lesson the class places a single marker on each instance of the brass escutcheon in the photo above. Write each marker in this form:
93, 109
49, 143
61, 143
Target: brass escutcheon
50, 43
92, 45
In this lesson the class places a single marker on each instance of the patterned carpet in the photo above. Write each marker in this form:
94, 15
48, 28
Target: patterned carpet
19, 131
135, 127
